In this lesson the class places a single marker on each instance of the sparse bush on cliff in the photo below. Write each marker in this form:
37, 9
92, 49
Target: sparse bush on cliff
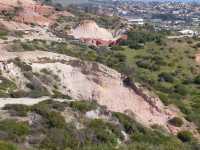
15, 130
7, 146
185, 136
176, 121
17, 109
83, 106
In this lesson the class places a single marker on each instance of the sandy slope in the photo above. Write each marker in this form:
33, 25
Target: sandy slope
89, 29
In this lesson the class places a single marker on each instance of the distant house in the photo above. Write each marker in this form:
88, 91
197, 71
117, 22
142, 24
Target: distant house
138, 21
188, 32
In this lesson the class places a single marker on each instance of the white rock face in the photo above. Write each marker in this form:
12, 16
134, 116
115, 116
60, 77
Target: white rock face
90, 30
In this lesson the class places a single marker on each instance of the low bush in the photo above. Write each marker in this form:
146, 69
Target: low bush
176, 121
6, 86
103, 132
167, 77
17, 109
57, 94
180, 89
185, 136
7, 146
197, 79
130, 126
83, 106
16, 131
56, 139
52, 118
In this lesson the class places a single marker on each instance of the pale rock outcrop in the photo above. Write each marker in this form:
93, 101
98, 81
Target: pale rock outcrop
89, 32
89, 29
32, 12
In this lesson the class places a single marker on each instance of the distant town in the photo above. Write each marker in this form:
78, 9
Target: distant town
172, 16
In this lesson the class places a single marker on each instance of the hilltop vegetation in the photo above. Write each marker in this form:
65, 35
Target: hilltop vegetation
170, 70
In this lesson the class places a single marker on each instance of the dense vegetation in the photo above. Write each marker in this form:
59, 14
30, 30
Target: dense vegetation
170, 70
6, 87
49, 128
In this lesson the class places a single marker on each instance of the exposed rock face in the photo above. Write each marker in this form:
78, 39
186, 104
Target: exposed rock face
14, 26
89, 32
89, 81
89, 29
31, 12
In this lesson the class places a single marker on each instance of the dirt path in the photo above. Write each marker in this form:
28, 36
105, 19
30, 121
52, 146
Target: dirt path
26, 101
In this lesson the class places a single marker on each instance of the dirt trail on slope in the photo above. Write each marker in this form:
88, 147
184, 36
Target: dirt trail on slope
24, 101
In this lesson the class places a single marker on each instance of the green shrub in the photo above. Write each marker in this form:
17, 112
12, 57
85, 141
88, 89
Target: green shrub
17, 109
197, 79
176, 121
55, 120
3, 34
57, 94
49, 105
103, 132
167, 77
117, 48
16, 130
52, 118
130, 126
83, 106
136, 46
185, 136
7, 146
180, 89
56, 139
6, 86
164, 98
